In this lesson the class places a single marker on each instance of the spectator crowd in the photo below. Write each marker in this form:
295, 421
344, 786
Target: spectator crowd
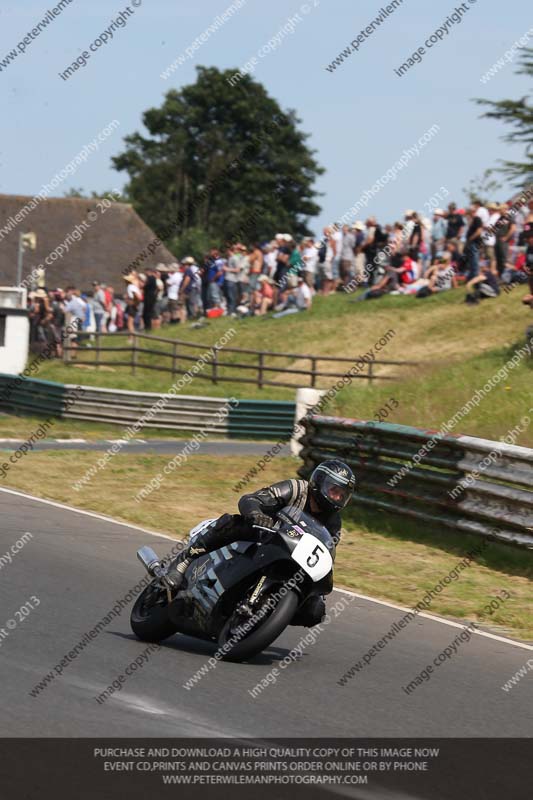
485, 248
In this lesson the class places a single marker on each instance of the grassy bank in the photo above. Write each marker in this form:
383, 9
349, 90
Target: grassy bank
458, 348
386, 557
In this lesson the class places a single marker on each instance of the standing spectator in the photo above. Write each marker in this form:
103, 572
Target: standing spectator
310, 261
505, 231
337, 236
474, 241
232, 271
283, 255
100, 310
489, 237
244, 275
133, 301
526, 220
159, 301
191, 288
375, 253
40, 314
397, 244
204, 277
91, 307
150, 290
174, 280
58, 319
295, 261
409, 224
369, 248
359, 256
74, 316
528, 267
456, 226
255, 258
438, 234
215, 279
269, 267
415, 238
347, 255
326, 256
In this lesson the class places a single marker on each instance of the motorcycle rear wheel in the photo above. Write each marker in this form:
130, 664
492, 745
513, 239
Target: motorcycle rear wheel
261, 637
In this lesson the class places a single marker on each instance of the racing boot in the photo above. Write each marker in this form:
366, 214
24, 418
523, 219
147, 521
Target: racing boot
223, 531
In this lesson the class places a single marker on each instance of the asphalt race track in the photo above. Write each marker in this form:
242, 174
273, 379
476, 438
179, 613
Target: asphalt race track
78, 566
156, 446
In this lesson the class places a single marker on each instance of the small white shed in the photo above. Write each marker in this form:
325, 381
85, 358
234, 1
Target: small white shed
14, 330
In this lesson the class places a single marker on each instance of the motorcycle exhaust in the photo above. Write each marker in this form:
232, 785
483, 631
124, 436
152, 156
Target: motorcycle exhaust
150, 561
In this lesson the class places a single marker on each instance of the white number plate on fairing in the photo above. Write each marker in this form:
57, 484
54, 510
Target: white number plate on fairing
313, 556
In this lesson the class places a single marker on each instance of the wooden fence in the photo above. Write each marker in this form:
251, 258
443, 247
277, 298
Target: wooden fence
179, 355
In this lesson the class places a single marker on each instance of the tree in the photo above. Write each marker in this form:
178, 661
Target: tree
482, 188
220, 163
518, 114
110, 194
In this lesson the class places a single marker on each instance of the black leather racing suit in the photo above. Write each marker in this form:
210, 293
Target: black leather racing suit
236, 527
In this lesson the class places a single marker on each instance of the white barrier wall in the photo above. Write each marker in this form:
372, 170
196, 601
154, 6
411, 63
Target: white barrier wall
14, 330
306, 399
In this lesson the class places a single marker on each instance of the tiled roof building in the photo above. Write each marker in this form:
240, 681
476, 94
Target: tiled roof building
78, 240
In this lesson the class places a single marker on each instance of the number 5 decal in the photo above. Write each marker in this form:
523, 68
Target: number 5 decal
315, 553
313, 557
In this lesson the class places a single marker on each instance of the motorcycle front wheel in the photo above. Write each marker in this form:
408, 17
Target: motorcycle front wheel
236, 643
149, 616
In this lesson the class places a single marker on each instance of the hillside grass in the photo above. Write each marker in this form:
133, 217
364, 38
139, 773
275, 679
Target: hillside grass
382, 556
457, 347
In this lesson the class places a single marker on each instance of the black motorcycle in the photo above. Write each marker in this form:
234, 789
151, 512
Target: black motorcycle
243, 595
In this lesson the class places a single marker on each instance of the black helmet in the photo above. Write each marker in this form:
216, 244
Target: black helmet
331, 485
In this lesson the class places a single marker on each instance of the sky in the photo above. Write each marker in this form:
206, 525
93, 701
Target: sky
361, 117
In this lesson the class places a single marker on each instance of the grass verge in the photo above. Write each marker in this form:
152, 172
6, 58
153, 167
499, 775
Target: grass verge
386, 557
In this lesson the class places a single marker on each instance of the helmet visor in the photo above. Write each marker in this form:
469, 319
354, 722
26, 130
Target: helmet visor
336, 493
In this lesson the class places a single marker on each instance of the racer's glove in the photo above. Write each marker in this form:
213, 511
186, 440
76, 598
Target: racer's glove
258, 518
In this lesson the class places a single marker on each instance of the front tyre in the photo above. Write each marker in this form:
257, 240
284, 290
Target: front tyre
237, 645
149, 616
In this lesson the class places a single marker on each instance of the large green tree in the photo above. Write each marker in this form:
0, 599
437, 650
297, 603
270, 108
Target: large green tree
518, 114
220, 163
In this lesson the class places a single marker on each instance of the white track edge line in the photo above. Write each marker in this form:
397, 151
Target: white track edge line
434, 618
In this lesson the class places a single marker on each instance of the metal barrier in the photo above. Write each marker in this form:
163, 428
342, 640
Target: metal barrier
472, 485
264, 419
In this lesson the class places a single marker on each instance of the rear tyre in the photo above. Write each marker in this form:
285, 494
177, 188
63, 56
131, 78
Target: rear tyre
261, 636
149, 616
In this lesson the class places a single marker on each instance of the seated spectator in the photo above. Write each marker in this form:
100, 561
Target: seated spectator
298, 299
441, 276
263, 297
485, 285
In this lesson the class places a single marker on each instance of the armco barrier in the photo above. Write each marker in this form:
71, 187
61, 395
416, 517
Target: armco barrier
498, 503
250, 418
